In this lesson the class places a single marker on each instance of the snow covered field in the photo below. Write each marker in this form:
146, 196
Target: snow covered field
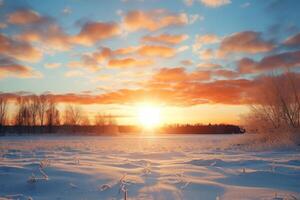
161, 167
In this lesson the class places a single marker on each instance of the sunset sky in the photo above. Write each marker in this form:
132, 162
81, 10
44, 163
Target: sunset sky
196, 60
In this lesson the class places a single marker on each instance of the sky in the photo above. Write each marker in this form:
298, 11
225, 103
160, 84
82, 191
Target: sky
199, 61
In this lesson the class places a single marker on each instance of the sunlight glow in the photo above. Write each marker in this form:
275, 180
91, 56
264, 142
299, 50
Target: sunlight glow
149, 115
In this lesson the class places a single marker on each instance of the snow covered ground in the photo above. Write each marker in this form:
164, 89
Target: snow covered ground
162, 167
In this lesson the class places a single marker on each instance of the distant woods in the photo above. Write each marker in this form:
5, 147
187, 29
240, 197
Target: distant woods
278, 105
41, 114
43, 111
3, 111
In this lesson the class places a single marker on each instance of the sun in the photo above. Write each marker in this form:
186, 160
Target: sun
149, 115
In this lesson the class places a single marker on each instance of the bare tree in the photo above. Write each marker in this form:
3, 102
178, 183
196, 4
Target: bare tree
73, 115
33, 107
105, 119
85, 121
52, 114
23, 115
42, 108
3, 111
100, 119
278, 106
111, 120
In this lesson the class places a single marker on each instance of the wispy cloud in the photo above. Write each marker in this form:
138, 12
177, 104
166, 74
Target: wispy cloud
153, 20
9, 68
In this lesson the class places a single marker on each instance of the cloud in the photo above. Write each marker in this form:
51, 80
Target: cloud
169, 75
24, 17
194, 17
244, 42
93, 61
208, 3
100, 55
206, 54
225, 73
215, 3
187, 62
173, 86
128, 62
200, 75
48, 34
225, 91
19, 49
293, 41
86, 62
166, 38
201, 40
182, 48
153, 20
209, 65
3, 25
178, 74
93, 32
282, 60
9, 68
156, 51
126, 50
52, 65
115, 58
67, 11
188, 2
40, 30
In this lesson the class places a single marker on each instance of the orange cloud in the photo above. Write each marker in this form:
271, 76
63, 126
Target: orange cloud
47, 32
9, 68
43, 30
186, 62
200, 75
170, 75
282, 60
128, 62
86, 62
201, 40
181, 92
93, 32
104, 55
166, 38
125, 50
50, 35
293, 40
244, 42
206, 54
225, 91
23, 17
215, 3
178, 75
157, 51
246, 66
209, 65
225, 73
153, 20
18, 49
92, 61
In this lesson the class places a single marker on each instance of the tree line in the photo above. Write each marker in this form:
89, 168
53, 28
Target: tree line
202, 129
42, 110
